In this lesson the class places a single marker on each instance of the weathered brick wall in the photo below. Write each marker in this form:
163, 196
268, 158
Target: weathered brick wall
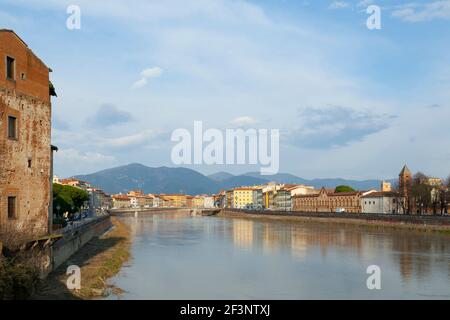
30, 185
26, 97
35, 83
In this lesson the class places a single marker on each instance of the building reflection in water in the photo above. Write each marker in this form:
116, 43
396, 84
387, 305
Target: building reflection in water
416, 255
405, 249
299, 245
243, 233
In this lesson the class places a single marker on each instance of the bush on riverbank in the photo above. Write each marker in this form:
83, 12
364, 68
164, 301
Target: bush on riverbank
100, 259
18, 278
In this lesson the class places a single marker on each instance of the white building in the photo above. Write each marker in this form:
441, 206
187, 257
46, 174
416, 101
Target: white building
302, 190
208, 202
382, 202
157, 202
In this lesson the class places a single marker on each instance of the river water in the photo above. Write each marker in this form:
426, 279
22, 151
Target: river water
178, 256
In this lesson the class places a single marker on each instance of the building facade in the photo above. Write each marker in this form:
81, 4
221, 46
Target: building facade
282, 200
174, 200
329, 201
386, 186
382, 202
258, 200
25, 131
121, 201
76, 183
229, 201
208, 202
99, 201
198, 202
242, 197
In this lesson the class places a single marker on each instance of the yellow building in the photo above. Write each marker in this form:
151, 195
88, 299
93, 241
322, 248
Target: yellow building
198, 202
242, 197
174, 200
386, 186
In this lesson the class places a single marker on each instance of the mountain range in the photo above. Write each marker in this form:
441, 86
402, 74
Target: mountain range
167, 180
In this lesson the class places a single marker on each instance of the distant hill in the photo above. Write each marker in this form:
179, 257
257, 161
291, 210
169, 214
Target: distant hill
182, 180
239, 181
151, 180
280, 177
318, 183
220, 176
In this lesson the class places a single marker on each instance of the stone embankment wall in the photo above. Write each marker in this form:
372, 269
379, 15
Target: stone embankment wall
75, 239
405, 221
128, 212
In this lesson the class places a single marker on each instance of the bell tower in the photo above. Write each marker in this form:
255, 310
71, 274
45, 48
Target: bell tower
405, 183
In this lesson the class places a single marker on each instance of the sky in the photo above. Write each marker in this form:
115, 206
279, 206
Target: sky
349, 102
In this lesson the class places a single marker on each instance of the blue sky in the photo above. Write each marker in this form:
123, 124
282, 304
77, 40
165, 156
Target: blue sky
349, 101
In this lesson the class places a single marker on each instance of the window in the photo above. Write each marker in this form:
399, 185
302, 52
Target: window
11, 207
10, 68
12, 127
29, 162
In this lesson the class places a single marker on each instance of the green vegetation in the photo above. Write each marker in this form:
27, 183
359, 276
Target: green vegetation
18, 279
51, 89
60, 221
68, 199
116, 251
340, 189
100, 259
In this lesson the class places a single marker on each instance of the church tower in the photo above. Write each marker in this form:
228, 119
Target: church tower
405, 181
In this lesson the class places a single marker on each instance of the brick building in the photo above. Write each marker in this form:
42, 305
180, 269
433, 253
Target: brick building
25, 130
329, 201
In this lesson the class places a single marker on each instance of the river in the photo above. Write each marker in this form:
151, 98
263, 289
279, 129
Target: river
179, 256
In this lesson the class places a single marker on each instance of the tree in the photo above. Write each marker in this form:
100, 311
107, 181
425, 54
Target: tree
51, 89
68, 199
421, 193
444, 200
340, 189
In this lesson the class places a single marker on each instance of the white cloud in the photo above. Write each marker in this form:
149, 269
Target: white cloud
127, 141
140, 83
243, 121
336, 126
230, 60
147, 74
364, 3
79, 162
338, 5
151, 72
423, 12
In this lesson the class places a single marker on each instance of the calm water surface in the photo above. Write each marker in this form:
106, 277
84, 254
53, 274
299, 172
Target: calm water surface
177, 256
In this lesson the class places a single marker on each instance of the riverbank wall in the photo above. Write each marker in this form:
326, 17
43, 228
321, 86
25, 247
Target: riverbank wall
149, 211
74, 239
423, 223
